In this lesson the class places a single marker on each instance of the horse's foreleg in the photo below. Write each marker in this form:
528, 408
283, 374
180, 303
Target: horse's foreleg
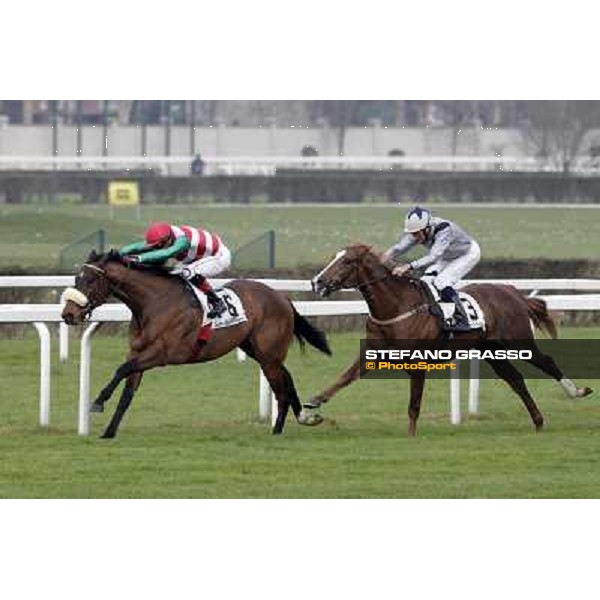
346, 378
417, 382
152, 356
505, 370
123, 371
131, 385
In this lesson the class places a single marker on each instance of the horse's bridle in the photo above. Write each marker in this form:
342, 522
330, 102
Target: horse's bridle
416, 309
339, 285
98, 297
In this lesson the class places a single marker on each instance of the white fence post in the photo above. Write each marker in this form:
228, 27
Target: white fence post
274, 409
455, 395
63, 341
474, 387
267, 403
83, 427
44, 334
264, 397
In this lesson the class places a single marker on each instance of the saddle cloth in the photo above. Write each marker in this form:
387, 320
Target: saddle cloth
472, 308
234, 315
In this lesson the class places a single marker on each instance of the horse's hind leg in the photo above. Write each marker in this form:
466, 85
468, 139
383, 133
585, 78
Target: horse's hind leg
131, 385
547, 364
302, 417
506, 371
291, 393
279, 379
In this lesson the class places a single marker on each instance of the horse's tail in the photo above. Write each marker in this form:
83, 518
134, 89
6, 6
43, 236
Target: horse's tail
305, 331
541, 318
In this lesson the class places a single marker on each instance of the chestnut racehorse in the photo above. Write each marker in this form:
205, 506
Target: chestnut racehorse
165, 325
400, 309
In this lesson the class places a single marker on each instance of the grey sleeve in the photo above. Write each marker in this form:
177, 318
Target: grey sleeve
442, 242
405, 243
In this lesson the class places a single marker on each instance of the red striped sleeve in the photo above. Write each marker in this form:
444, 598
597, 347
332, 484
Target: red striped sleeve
201, 244
216, 243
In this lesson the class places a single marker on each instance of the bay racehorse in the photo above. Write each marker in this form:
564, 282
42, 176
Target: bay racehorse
166, 321
400, 308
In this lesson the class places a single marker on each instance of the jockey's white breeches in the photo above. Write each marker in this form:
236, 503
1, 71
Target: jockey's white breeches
208, 266
452, 271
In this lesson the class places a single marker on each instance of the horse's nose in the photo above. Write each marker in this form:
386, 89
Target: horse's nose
68, 317
314, 284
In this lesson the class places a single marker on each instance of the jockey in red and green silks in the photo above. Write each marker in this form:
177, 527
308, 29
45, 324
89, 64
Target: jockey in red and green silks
199, 254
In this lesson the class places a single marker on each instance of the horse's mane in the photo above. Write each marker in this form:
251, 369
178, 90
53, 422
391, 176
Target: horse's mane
366, 249
361, 246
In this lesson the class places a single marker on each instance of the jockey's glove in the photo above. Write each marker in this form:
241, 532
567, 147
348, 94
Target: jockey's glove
401, 270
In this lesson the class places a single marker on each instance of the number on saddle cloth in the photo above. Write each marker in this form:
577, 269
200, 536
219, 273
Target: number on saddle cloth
235, 313
446, 309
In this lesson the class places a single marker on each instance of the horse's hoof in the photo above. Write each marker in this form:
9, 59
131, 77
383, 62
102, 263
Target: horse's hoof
277, 432
585, 391
96, 408
309, 419
107, 436
314, 402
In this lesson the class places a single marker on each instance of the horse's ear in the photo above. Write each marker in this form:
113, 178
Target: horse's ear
114, 254
93, 256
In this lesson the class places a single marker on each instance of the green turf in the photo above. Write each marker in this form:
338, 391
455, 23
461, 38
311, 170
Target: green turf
192, 432
32, 235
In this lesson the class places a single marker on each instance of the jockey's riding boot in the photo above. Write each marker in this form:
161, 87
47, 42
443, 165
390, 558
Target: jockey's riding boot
217, 306
460, 321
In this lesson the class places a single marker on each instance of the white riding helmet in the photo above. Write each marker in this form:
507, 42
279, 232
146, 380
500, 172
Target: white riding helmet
417, 219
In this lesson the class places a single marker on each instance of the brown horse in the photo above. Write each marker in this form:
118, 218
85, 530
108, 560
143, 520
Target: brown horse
165, 325
400, 309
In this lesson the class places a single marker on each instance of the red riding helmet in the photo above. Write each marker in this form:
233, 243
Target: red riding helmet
157, 233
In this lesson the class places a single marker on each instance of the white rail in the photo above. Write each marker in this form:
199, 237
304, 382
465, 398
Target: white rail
303, 285
40, 314
294, 285
268, 165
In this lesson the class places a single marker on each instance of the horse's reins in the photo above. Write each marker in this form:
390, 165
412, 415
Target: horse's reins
401, 317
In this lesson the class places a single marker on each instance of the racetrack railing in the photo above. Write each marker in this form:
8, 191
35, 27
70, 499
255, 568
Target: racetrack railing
268, 165
40, 314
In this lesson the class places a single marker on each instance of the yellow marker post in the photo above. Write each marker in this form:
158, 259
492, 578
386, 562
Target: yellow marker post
123, 193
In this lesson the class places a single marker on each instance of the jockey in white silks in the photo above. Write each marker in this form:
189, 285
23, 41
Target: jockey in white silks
452, 254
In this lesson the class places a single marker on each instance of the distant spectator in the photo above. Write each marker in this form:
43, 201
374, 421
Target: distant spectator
197, 165
396, 152
309, 151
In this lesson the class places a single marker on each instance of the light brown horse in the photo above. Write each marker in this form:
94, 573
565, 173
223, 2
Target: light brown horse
400, 309
165, 325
